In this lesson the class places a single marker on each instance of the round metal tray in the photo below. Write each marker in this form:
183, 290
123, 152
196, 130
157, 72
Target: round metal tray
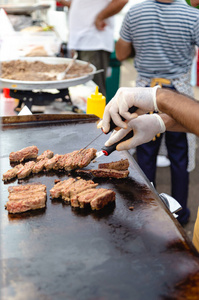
42, 85
21, 9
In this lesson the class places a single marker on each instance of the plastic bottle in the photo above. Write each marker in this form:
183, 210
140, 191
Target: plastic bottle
96, 104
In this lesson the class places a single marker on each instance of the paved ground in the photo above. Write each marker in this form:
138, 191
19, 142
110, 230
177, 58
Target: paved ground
127, 78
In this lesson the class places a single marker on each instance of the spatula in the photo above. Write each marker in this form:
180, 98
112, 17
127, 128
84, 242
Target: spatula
61, 75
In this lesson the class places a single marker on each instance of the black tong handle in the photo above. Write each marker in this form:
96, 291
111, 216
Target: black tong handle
108, 150
112, 124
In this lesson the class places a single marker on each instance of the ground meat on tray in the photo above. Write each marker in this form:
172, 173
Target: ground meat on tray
39, 71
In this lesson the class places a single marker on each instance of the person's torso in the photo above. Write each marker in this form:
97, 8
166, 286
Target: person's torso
83, 35
163, 36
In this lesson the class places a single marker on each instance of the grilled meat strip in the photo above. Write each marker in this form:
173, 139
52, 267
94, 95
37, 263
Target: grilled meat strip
86, 156
79, 158
26, 170
26, 197
33, 187
105, 173
46, 154
25, 204
12, 173
70, 162
56, 191
76, 188
84, 198
39, 165
96, 198
25, 153
59, 165
102, 199
120, 165
50, 163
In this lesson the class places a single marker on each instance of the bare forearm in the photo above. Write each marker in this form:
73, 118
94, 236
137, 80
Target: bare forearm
171, 124
112, 8
65, 3
123, 50
181, 108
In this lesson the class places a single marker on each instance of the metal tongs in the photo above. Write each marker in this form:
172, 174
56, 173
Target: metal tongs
61, 75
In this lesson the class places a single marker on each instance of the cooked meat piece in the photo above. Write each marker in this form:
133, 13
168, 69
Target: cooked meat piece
35, 187
59, 165
12, 173
79, 158
55, 192
39, 166
86, 156
71, 161
51, 162
120, 165
25, 153
77, 187
31, 203
102, 199
84, 198
96, 198
16, 196
26, 197
46, 154
57, 180
105, 173
26, 170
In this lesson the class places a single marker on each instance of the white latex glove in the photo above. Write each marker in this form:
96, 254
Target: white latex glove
142, 97
145, 128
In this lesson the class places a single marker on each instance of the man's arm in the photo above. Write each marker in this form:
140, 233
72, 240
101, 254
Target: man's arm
110, 10
194, 3
65, 3
184, 110
124, 50
171, 124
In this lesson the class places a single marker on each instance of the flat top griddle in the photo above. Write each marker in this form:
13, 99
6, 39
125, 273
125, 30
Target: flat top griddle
115, 253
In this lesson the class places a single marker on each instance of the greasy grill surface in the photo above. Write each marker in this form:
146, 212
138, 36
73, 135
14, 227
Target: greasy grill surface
115, 253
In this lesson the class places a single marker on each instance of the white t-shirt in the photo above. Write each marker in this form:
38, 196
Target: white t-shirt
83, 35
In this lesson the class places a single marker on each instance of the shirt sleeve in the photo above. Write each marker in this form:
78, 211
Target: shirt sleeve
125, 31
196, 32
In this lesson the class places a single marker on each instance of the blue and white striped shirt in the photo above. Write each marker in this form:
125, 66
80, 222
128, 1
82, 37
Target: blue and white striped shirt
164, 37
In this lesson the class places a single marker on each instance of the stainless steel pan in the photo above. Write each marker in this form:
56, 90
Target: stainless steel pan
41, 85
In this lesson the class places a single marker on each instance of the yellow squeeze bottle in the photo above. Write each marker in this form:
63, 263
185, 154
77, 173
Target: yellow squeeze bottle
96, 104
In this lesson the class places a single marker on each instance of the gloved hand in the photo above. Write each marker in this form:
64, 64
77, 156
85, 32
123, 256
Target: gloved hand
145, 127
142, 97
